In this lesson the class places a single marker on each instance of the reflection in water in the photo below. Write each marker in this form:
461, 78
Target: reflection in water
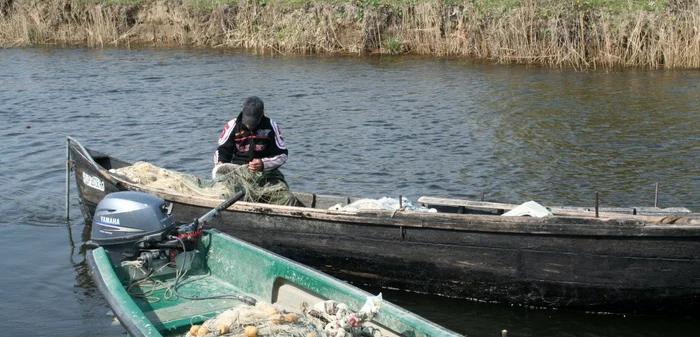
95, 314
44, 293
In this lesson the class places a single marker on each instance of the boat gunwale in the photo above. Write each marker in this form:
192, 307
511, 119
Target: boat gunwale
606, 225
388, 309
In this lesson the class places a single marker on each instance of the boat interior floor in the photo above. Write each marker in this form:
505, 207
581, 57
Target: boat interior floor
170, 310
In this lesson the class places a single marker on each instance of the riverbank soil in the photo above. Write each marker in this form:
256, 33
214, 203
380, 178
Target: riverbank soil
556, 33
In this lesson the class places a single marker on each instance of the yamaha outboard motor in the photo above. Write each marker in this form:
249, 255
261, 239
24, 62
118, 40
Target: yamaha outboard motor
138, 226
126, 217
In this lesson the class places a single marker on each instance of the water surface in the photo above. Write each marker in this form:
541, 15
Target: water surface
368, 127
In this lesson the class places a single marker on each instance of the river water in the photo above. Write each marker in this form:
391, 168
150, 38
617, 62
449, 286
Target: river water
365, 126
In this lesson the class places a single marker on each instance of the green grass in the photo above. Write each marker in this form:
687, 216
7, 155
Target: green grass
116, 2
621, 6
208, 5
394, 46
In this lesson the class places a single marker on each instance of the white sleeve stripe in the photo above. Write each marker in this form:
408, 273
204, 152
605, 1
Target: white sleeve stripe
274, 162
278, 138
226, 133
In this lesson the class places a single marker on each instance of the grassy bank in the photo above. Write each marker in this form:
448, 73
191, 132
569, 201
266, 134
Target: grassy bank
557, 33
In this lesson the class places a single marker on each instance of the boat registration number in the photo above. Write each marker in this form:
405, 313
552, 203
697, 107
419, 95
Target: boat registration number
93, 182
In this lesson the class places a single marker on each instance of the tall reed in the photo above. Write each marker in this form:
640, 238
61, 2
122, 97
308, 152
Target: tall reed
555, 33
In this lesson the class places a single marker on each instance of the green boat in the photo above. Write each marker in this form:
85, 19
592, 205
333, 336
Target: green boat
165, 279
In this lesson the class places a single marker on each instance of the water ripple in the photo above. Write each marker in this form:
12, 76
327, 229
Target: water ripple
367, 127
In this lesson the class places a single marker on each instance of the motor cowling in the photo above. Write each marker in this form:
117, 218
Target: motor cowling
124, 218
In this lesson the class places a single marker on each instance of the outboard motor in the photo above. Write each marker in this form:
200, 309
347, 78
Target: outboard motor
138, 226
127, 217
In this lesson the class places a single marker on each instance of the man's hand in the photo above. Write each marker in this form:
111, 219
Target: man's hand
255, 165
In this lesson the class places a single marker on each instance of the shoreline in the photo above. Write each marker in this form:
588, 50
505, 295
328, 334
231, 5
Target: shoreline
551, 33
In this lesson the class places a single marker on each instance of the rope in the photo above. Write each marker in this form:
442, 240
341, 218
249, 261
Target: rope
171, 288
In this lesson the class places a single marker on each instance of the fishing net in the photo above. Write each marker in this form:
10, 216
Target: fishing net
268, 187
327, 318
384, 203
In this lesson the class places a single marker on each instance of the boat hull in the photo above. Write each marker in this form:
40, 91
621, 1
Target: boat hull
646, 275
620, 265
225, 272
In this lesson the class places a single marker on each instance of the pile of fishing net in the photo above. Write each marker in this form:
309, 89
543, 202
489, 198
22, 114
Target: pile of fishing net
268, 186
326, 318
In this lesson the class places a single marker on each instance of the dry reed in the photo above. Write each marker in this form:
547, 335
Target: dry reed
548, 32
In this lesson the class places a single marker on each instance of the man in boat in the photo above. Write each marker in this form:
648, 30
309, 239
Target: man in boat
254, 141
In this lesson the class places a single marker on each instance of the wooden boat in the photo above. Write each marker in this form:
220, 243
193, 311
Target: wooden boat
614, 262
225, 272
